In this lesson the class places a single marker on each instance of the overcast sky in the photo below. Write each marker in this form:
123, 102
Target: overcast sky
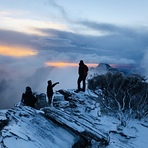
34, 32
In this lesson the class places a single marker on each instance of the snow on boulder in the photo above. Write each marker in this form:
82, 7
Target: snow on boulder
28, 127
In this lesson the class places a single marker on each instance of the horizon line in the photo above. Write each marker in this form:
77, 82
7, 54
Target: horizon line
73, 64
68, 64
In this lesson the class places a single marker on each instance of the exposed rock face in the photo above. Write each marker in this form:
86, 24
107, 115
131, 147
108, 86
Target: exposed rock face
3, 120
27, 127
41, 101
72, 121
75, 116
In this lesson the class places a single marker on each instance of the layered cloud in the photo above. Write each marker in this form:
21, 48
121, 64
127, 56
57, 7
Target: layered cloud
120, 45
16, 51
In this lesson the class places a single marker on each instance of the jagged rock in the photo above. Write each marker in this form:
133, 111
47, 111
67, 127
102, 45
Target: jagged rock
3, 120
66, 94
72, 123
59, 104
80, 124
81, 143
28, 127
41, 101
70, 115
58, 97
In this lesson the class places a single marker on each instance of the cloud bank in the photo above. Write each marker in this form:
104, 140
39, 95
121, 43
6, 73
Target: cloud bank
116, 45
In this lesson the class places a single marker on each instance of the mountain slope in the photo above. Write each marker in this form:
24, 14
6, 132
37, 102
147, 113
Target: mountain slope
27, 127
74, 120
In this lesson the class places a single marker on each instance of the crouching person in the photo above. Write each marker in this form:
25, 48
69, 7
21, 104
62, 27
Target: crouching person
28, 98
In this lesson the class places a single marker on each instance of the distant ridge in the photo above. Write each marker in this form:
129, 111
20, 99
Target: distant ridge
125, 68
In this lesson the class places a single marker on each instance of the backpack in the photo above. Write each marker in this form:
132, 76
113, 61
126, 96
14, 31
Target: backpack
85, 70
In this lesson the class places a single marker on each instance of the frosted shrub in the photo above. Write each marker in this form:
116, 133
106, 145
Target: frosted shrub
124, 96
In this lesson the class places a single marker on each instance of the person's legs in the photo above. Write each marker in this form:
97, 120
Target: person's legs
49, 99
84, 84
78, 82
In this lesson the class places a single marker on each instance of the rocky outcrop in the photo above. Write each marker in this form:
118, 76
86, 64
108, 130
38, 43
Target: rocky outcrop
3, 120
75, 116
27, 127
79, 124
73, 120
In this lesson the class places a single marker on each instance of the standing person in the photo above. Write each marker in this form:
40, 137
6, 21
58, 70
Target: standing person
50, 90
28, 98
82, 71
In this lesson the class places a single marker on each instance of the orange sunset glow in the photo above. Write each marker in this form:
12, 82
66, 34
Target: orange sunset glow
16, 51
66, 64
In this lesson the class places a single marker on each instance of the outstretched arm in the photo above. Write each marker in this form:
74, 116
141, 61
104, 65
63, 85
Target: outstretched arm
55, 84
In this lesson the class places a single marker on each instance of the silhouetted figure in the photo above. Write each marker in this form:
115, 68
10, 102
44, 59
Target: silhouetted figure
82, 71
50, 90
28, 98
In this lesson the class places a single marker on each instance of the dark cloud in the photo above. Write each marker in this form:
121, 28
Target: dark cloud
15, 38
120, 42
115, 45
106, 27
125, 44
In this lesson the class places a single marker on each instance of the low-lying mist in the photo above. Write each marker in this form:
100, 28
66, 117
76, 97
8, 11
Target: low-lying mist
14, 82
11, 88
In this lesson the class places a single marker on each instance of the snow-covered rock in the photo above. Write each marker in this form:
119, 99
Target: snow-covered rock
27, 127
73, 120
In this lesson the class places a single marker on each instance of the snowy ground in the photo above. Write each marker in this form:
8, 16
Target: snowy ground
134, 135
27, 128
23, 126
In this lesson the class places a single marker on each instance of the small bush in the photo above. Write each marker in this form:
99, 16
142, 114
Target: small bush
125, 96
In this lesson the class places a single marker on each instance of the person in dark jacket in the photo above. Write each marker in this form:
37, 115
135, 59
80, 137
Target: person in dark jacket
28, 98
50, 90
82, 71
